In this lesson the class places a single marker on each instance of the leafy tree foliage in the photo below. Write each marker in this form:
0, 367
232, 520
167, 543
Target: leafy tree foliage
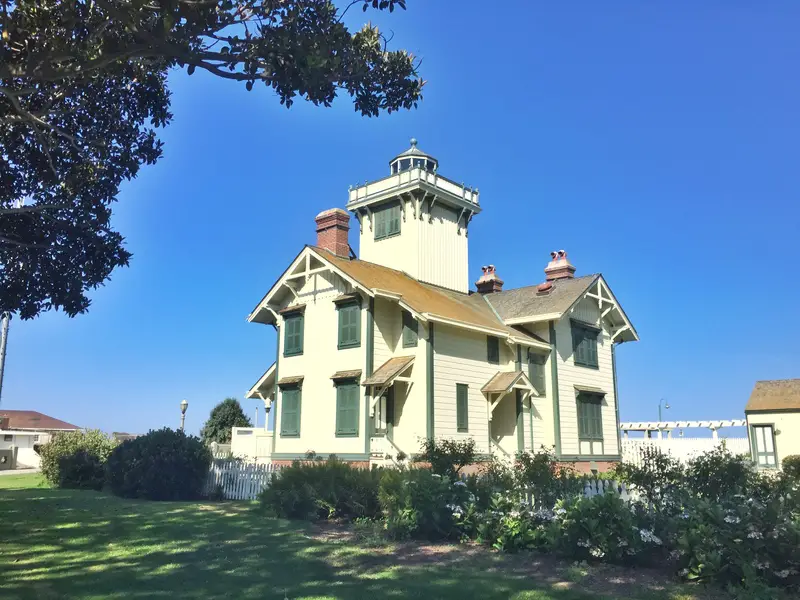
224, 415
83, 89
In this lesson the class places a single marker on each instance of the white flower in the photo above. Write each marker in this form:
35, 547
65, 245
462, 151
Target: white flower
597, 553
755, 535
584, 543
649, 537
732, 519
784, 574
560, 511
460, 484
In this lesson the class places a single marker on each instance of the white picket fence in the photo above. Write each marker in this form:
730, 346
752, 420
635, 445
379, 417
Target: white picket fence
683, 449
239, 480
598, 487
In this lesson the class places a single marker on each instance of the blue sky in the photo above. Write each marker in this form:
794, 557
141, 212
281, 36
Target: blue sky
655, 142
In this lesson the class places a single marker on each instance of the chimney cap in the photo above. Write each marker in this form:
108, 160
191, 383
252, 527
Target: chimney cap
559, 267
489, 282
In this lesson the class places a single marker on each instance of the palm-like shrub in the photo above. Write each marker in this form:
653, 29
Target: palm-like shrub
162, 465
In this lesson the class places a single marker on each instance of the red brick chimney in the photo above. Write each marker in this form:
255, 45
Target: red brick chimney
559, 267
333, 227
489, 282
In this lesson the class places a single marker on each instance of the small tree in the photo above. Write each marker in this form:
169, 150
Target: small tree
223, 417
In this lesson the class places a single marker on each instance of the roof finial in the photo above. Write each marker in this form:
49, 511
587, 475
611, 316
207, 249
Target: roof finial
413, 142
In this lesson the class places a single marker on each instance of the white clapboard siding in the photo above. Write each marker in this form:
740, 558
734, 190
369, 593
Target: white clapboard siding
238, 480
683, 449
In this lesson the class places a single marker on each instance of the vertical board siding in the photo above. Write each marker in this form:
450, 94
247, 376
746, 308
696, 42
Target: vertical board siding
543, 434
387, 330
570, 375
460, 357
440, 239
321, 358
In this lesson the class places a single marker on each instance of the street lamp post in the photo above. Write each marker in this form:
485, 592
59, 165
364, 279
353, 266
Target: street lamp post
184, 406
666, 407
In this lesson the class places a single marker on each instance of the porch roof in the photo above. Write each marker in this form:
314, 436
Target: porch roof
503, 381
264, 386
389, 370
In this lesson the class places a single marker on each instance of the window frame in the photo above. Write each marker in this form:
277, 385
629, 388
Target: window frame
292, 318
583, 333
583, 400
383, 218
299, 391
408, 331
462, 412
492, 343
343, 308
754, 441
351, 385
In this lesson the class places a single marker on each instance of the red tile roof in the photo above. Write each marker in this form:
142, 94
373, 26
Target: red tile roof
30, 419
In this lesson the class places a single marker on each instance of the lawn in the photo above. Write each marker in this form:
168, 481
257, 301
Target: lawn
74, 544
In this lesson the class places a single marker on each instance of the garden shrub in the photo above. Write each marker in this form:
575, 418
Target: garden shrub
659, 477
542, 479
718, 473
791, 467
602, 527
447, 457
739, 540
70, 459
322, 490
418, 503
507, 525
162, 465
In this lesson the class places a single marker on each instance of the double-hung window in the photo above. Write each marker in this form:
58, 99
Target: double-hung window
410, 331
384, 409
293, 334
347, 408
290, 411
493, 350
387, 220
584, 344
763, 439
349, 324
590, 422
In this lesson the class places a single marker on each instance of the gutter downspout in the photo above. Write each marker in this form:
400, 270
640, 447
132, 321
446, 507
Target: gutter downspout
368, 367
520, 420
277, 389
429, 349
616, 396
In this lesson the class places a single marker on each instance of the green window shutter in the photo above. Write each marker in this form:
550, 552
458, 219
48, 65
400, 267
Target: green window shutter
462, 407
536, 371
293, 337
584, 346
410, 331
290, 412
380, 224
493, 350
590, 419
349, 325
394, 220
347, 411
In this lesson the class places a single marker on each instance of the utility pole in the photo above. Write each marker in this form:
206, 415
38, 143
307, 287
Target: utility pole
5, 320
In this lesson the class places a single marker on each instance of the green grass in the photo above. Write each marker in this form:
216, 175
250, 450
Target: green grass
28, 480
73, 544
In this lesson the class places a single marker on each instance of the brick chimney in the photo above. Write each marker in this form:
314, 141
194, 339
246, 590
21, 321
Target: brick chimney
333, 227
559, 267
489, 282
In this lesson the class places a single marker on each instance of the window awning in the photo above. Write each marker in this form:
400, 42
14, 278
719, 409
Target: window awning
389, 371
587, 389
339, 375
287, 381
503, 383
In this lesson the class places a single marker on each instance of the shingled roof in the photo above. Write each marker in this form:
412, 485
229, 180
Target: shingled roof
778, 394
528, 302
471, 309
31, 419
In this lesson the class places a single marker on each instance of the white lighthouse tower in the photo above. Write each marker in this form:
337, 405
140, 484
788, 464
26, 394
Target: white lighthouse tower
416, 220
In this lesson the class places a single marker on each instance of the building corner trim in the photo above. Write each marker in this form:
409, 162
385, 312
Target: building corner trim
556, 407
429, 378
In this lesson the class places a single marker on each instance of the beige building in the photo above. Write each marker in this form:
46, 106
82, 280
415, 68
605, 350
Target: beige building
773, 421
379, 352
